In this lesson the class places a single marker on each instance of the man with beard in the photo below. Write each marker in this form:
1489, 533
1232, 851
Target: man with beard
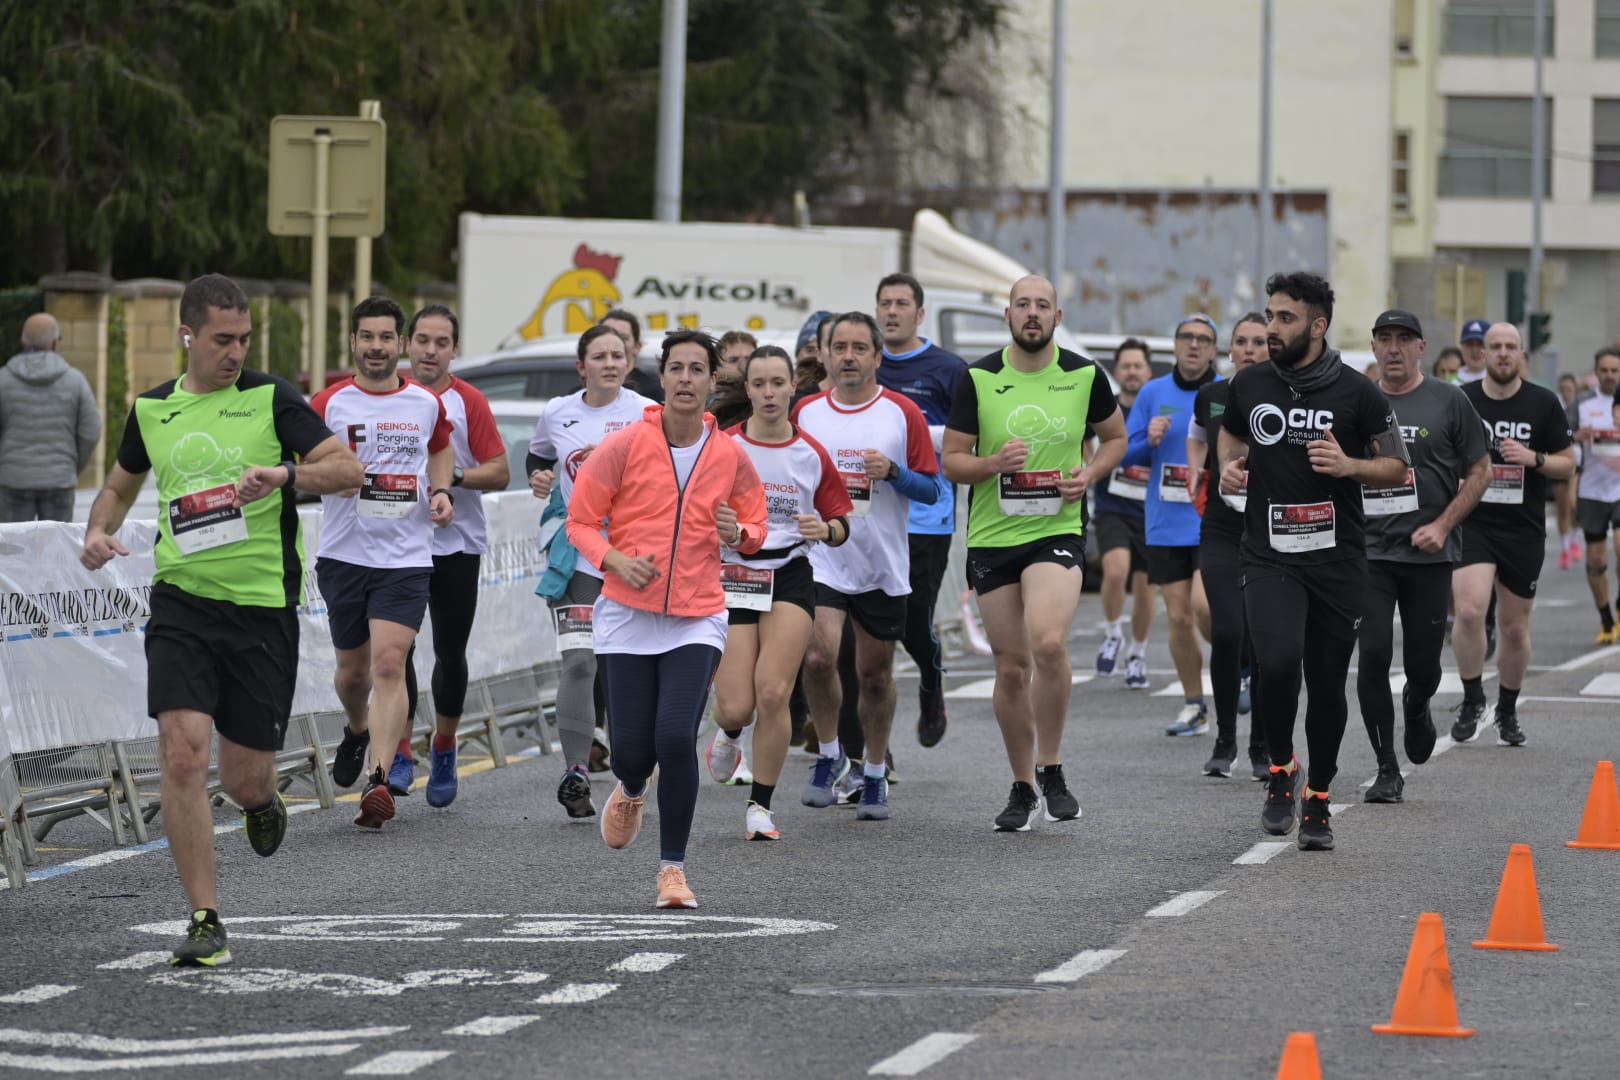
1310, 432
375, 559
1504, 542
1597, 506
1121, 528
1016, 434
1412, 544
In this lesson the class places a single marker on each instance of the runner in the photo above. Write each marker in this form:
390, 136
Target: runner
1472, 345
1570, 394
880, 445
1503, 542
568, 430
1413, 541
433, 342
1293, 424
1015, 435
1597, 506
771, 594
1121, 526
375, 558
1220, 539
1158, 434
729, 402
667, 492
222, 641
1447, 363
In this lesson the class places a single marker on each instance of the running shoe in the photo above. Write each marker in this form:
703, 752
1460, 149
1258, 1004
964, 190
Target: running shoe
672, 888
1419, 735
725, 754
1060, 803
1387, 786
1108, 654
1277, 818
847, 792
824, 775
442, 780
874, 805
1610, 636
377, 803
574, 793
931, 719
1565, 558
1245, 696
1022, 806
1469, 716
349, 760
621, 818
266, 826
601, 759
1259, 763
1508, 731
1315, 834
1192, 720
204, 945
1136, 673
744, 776
1221, 759
401, 775
758, 824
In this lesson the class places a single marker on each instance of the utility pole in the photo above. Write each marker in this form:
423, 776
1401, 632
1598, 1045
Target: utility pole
1056, 204
1263, 202
369, 110
1538, 175
671, 112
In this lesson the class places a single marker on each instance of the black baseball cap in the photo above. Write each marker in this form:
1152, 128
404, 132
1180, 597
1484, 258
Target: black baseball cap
1403, 320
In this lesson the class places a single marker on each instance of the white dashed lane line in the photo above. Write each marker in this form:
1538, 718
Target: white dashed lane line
1182, 903
926, 1051
492, 1025
1080, 965
643, 962
399, 1063
1263, 852
576, 993
36, 994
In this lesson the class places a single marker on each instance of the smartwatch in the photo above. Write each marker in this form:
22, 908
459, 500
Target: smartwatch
292, 473
457, 476
440, 491
1541, 458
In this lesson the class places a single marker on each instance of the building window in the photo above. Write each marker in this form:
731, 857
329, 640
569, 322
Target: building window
1606, 146
1494, 28
1401, 173
1487, 148
1405, 29
1606, 28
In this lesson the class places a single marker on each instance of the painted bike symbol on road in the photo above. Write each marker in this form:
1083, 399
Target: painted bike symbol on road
536, 928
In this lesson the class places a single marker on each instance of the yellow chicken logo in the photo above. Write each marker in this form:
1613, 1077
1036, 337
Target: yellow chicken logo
585, 291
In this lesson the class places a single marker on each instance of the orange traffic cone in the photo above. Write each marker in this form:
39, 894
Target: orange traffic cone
1516, 920
1425, 1004
1299, 1061
1600, 827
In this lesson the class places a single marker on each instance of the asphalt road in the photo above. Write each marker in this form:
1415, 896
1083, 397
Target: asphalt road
494, 938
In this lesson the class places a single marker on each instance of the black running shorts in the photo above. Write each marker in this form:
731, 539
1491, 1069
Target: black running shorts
879, 614
990, 568
357, 594
1596, 518
1517, 556
1120, 531
1168, 565
793, 583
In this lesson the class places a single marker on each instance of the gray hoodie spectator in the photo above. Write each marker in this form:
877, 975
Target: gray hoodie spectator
49, 424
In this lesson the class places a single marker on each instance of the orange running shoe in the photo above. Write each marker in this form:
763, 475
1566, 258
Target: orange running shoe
672, 890
621, 817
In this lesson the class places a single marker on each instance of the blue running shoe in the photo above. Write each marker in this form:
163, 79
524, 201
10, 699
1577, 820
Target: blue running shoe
874, 804
441, 785
818, 790
401, 775
1245, 696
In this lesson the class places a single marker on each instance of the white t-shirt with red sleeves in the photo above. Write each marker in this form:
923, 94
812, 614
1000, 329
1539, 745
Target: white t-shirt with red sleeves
567, 427
877, 555
388, 525
477, 439
798, 478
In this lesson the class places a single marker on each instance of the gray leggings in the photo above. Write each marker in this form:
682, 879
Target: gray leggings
576, 698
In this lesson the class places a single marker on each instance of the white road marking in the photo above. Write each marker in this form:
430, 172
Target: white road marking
1450, 683
1263, 852
280, 980
398, 1063
1441, 745
1173, 689
1337, 809
1606, 702
926, 1051
984, 689
1182, 903
135, 962
102, 1044
1369, 783
50, 1063
576, 993
1080, 965
1592, 657
492, 1025
36, 994
1606, 684
646, 961
513, 928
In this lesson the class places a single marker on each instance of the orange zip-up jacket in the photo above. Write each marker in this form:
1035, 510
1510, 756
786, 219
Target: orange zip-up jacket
627, 485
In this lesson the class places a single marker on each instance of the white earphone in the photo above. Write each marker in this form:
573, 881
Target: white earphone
186, 339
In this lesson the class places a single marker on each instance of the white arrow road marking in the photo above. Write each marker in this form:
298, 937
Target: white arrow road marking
1080, 965
398, 1063
926, 1051
516, 928
576, 993
646, 961
47, 1063
265, 980
35, 994
135, 962
103, 1044
1182, 903
492, 1025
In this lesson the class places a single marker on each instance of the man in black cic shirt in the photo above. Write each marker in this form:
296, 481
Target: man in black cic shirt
1310, 432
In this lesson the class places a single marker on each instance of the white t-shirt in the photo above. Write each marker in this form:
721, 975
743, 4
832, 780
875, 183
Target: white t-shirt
619, 628
567, 426
798, 478
1600, 470
1464, 375
477, 439
388, 524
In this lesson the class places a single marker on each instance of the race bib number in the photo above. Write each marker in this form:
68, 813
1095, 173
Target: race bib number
1031, 493
206, 519
388, 495
1385, 501
573, 627
746, 587
1130, 483
859, 486
1605, 444
1238, 500
1506, 486
1173, 484
1298, 527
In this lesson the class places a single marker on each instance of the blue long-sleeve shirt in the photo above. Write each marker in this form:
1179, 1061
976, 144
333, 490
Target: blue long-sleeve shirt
928, 376
1171, 519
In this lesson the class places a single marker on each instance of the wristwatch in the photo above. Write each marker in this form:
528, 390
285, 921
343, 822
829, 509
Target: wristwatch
292, 473
456, 477
1541, 458
440, 491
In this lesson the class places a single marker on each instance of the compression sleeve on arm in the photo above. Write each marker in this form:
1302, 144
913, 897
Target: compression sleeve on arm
917, 486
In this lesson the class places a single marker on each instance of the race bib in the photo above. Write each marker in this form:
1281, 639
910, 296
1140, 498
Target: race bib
746, 587
1173, 484
1506, 486
1130, 483
1605, 444
206, 519
1031, 493
388, 495
859, 486
1298, 527
573, 627
1239, 500
1385, 501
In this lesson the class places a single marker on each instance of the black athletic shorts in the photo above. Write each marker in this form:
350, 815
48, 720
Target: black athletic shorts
793, 583
1121, 531
357, 594
990, 568
1596, 518
238, 664
880, 615
1168, 565
1517, 556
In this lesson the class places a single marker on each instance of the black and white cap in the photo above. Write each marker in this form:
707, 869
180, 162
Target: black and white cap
1403, 320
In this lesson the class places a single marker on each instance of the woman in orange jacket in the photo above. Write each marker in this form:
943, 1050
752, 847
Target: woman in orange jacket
652, 506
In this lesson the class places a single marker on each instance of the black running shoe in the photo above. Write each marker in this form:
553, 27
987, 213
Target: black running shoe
1420, 733
1022, 806
1508, 731
1221, 759
204, 945
1277, 817
1061, 805
931, 718
1315, 834
266, 826
350, 759
575, 794
1388, 785
1469, 716
1259, 764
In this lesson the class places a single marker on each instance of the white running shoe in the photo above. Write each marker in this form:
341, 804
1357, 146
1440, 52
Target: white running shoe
1108, 654
1191, 720
725, 754
1136, 673
760, 825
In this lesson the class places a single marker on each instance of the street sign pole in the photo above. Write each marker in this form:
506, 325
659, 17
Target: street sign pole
321, 214
370, 110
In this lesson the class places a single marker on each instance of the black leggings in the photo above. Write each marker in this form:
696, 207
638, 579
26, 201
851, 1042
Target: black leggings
655, 704
1218, 562
929, 555
452, 602
851, 736
1422, 591
1295, 629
